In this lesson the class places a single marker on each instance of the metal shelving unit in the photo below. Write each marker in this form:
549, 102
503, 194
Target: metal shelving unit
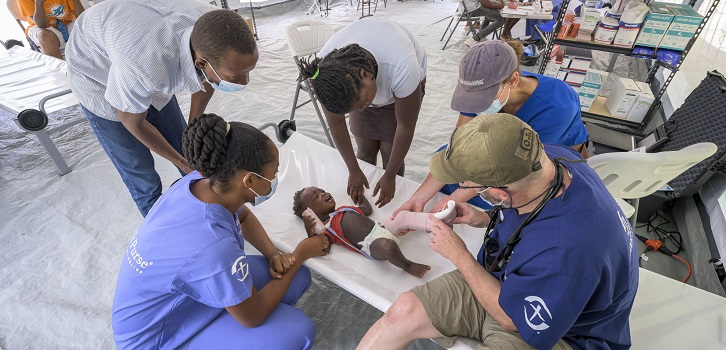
658, 91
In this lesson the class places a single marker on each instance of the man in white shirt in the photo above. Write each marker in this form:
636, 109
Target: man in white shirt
128, 58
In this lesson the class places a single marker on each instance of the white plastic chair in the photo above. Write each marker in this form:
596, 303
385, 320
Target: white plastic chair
461, 15
307, 38
634, 175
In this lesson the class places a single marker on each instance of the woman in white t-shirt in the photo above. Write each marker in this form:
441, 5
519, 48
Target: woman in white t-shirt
375, 70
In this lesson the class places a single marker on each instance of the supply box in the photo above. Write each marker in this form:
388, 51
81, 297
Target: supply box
656, 24
682, 28
642, 104
623, 96
594, 80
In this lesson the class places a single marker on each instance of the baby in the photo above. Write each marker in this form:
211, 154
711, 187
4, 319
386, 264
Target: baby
349, 224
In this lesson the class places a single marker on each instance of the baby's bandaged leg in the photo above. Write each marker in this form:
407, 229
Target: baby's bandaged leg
406, 220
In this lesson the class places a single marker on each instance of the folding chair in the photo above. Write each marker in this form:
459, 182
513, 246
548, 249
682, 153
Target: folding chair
15, 12
461, 15
306, 38
634, 175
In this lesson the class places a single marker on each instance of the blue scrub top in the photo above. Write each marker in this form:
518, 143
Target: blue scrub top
553, 111
184, 265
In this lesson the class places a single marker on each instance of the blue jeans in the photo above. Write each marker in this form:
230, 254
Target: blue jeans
287, 327
132, 159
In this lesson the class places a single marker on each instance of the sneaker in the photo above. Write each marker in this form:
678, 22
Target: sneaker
470, 42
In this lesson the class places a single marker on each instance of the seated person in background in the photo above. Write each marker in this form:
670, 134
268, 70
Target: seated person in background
348, 224
51, 22
491, 10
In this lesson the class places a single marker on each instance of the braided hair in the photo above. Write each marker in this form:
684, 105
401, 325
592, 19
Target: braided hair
338, 82
218, 154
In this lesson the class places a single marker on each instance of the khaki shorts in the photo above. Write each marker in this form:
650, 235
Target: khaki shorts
454, 311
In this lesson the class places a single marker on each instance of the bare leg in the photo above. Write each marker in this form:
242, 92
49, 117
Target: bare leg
387, 249
386, 148
508, 25
49, 44
367, 150
405, 321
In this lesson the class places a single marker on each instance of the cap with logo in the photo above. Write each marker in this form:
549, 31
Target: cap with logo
484, 67
490, 150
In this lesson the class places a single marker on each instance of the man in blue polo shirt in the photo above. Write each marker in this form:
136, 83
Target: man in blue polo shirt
558, 266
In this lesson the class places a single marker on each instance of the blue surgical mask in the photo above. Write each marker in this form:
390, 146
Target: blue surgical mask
260, 199
223, 85
496, 105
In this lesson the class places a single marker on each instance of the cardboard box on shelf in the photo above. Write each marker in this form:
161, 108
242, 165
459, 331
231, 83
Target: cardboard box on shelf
656, 23
571, 77
682, 28
552, 69
623, 96
594, 80
590, 17
576, 63
642, 104
250, 23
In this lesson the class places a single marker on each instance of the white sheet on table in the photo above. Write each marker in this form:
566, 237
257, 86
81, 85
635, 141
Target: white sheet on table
27, 76
673, 310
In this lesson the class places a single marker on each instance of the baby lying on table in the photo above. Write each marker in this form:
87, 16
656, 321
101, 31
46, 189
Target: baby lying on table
349, 224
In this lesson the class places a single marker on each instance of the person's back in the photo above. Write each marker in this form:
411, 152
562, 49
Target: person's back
400, 57
575, 266
124, 42
553, 110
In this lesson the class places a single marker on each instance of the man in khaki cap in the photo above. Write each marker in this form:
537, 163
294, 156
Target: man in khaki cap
557, 267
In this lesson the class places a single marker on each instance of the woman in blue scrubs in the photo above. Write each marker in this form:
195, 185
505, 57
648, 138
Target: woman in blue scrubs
490, 81
186, 281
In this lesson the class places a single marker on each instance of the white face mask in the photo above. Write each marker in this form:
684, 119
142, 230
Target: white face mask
488, 198
223, 85
496, 104
273, 186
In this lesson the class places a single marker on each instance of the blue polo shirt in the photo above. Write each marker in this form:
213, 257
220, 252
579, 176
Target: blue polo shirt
185, 264
574, 273
553, 111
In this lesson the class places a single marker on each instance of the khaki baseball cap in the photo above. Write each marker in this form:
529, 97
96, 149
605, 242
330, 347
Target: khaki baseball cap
491, 150
482, 69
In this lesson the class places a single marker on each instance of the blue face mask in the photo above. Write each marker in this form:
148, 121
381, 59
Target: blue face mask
260, 199
223, 84
496, 105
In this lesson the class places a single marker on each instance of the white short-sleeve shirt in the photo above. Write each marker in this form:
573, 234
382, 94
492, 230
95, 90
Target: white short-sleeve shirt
401, 58
128, 55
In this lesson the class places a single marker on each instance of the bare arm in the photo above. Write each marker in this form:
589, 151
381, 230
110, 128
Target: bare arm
255, 309
365, 207
137, 125
39, 17
77, 8
485, 287
492, 4
255, 234
200, 100
356, 179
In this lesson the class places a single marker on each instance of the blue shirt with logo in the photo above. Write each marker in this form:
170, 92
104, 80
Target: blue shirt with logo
185, 264
553, 111
574, 274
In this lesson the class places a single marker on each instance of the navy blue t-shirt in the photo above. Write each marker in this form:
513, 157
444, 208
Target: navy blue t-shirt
574, 273
553, 111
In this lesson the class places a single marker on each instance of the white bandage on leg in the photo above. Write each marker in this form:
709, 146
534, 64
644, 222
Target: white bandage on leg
448, 213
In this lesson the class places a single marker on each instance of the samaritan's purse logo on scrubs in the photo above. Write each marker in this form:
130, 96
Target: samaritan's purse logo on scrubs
533, 313
240, 266
134, 258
